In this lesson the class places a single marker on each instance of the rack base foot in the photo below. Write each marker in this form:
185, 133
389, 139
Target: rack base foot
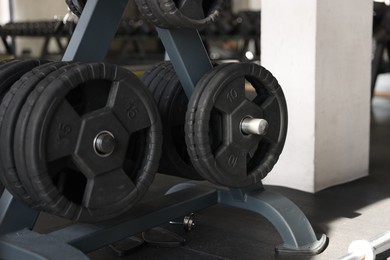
315, 248
78, 239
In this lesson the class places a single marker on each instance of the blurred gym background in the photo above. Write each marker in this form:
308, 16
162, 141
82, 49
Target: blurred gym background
28, 30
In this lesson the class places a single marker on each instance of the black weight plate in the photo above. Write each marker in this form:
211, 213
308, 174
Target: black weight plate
25, 99
12, 71
60, 142
21, 132
4, 63
237, 159
172, 103
155, 8
190, 123
76, 6
173, 106
160, 82
29, 94
9, 112
151, 15
269, 104
150, 75
189, 14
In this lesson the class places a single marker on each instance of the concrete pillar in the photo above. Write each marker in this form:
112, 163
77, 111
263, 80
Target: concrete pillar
320, 51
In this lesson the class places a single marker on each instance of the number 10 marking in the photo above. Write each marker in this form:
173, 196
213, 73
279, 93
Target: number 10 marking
232, 95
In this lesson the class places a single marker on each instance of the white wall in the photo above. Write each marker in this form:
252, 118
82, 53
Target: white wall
320, 53
39, 9
4, 17
32, 10
4, 11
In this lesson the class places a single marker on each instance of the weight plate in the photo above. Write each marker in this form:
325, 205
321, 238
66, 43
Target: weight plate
190, 14
190, 123
12, 71
172, 103
22, 168
9, 112
176, 159
182, 14
4, 63
160, 82
76, 154
221, 150
148, 78
76, 6
152, 14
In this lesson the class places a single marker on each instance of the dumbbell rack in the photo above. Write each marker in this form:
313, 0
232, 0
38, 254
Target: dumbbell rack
90, 42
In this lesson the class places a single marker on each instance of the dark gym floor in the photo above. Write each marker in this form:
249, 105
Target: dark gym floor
356, 210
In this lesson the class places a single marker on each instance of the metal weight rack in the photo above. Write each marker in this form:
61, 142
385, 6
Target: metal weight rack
90, 42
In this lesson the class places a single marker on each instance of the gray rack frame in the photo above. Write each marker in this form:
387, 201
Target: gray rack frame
90, 42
